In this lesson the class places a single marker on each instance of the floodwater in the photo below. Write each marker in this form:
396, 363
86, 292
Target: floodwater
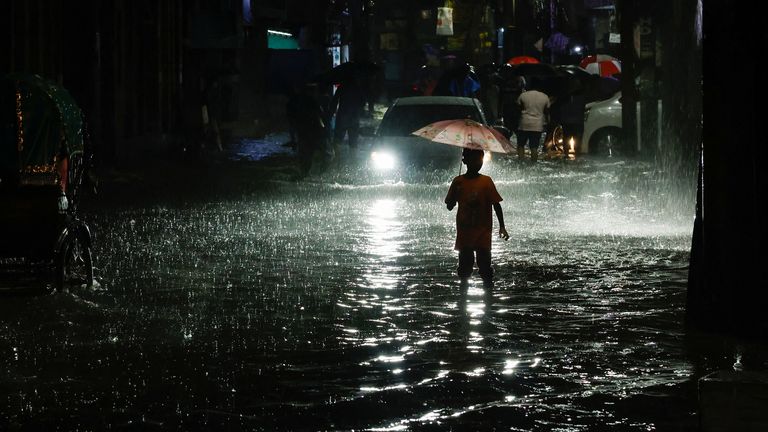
332, 304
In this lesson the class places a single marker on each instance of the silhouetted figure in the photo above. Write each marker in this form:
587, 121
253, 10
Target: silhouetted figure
568, 111
290, 113
489, 94
464, 83
448, 70
348, 103
308, 118
534, 116
512, 86
212, 110
476, 195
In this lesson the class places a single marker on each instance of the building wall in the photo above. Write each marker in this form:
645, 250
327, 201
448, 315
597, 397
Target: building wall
121, 60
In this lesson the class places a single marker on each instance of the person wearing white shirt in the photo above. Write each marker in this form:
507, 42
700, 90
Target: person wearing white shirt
534, 115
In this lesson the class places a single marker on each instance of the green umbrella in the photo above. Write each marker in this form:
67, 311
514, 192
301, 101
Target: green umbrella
51, 122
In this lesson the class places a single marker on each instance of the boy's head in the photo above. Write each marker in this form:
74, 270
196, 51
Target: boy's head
473, 159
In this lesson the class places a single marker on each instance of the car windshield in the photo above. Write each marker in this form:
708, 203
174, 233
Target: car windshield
404, 119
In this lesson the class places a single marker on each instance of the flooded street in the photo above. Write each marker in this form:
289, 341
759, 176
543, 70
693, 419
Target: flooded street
332, 304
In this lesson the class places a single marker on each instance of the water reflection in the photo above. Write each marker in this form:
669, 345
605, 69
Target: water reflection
384, 231
474, 313
305, 306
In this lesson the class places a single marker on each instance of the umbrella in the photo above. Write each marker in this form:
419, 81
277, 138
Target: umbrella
594, 58
575, 71
534, 69
46, 112
466, 133
522, 59
601, 64
604, 68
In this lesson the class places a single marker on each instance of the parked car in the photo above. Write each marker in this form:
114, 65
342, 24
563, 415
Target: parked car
602, 128
393, 145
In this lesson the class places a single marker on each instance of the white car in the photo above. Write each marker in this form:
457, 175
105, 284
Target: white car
393, 145
602, 128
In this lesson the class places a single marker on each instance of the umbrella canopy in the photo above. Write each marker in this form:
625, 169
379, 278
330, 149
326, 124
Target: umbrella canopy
466, 133
40, 121
594, 58
601, 64
604, 68
522, 59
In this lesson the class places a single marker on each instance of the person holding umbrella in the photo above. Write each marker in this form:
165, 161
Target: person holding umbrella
476, 195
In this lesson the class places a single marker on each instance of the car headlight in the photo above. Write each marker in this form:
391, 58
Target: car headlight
383, 160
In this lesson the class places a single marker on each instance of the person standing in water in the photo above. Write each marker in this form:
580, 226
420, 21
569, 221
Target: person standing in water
476, 195
534, 117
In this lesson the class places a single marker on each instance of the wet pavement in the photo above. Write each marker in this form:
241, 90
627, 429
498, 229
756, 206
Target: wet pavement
232, 296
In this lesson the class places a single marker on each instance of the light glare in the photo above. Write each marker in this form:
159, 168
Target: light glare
383, 161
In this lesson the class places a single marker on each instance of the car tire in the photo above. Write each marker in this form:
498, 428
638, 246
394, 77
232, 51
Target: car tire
608, 142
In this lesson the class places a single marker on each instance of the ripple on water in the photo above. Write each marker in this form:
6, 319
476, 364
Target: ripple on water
335, 305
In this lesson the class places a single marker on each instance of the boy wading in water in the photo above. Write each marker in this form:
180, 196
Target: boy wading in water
476, 195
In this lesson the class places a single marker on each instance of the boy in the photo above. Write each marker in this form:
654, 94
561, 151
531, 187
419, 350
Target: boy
476, 194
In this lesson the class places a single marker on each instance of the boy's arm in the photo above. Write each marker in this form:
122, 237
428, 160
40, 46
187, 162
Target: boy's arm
500, 216
450, 199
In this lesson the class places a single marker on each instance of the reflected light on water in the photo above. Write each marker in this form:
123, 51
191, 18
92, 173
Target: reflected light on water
243, 319
509, 366
384, 235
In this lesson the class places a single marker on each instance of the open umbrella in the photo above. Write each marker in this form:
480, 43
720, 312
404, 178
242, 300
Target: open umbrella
522, 59
50, 120
601, 64
534, 69
604, 68
466, 133
594, 58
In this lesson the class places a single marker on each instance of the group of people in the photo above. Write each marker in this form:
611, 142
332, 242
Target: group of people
315, 119
529, 110
320, 122
526, 107
475, 194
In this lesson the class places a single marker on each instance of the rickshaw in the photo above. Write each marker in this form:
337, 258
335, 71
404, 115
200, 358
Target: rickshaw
43, 160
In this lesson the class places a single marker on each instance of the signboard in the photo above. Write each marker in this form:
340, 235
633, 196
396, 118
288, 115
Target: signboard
614, 38
445, 21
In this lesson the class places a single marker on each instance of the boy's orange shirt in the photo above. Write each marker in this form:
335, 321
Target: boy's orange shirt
474, 218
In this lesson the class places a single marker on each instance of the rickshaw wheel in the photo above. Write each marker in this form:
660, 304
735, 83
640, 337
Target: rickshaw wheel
558, 138
75, 266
